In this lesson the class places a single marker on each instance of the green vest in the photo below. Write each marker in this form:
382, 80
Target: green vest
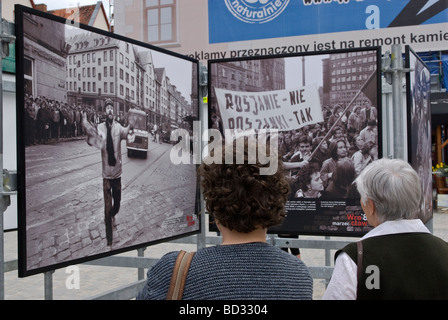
402, 266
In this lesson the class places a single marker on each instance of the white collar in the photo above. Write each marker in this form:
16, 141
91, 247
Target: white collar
397, 226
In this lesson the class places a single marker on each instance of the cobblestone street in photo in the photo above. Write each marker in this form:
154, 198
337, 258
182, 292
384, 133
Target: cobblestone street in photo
65, 207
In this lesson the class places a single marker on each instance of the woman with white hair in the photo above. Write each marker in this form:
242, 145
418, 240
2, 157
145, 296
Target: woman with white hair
399, 258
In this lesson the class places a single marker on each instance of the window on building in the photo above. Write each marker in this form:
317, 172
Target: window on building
28, 75
161, 21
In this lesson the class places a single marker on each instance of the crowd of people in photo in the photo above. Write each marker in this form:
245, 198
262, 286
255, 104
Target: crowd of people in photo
322, 159
49, 119
325, 158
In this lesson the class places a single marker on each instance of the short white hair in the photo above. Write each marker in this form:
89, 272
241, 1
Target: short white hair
393, 186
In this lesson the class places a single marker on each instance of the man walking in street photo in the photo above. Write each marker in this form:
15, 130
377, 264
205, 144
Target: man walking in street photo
107, 137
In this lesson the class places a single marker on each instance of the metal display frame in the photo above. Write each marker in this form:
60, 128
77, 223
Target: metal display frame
238, 102
394, 134
124, 56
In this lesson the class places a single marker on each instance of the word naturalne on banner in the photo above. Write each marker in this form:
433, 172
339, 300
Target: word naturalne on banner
283, 110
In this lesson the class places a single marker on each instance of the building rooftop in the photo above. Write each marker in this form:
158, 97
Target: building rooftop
82, 14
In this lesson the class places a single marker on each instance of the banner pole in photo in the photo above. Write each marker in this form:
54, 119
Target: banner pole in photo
363, 89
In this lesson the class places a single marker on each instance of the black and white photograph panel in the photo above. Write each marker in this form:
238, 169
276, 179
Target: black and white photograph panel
325, 108
419, 127
96, 115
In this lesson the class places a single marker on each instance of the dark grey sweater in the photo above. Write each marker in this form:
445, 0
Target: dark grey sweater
243, 272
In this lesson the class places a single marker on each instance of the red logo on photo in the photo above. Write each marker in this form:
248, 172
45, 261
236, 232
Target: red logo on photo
190, 220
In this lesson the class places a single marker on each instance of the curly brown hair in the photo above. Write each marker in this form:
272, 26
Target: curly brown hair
239, 197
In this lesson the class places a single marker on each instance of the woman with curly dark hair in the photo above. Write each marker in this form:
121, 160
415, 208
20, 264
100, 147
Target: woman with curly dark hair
307, 184
244, 204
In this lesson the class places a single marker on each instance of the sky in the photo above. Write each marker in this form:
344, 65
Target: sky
60, 4
313, 71
176, 69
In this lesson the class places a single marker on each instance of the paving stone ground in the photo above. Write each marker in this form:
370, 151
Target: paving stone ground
95, 280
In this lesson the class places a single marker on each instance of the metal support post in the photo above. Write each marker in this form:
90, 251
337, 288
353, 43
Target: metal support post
327, 254
394, 74
2, 248
141, 271
203, 103
399, 110
2, 244
4, 197
48, 285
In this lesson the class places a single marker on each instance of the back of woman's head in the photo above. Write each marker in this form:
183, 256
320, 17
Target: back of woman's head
394, 187
238, 196
344, 173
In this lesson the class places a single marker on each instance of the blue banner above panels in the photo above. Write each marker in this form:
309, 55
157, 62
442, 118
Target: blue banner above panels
239, 20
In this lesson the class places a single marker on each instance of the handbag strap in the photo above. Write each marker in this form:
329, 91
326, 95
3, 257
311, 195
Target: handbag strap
360, 253
178, 279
